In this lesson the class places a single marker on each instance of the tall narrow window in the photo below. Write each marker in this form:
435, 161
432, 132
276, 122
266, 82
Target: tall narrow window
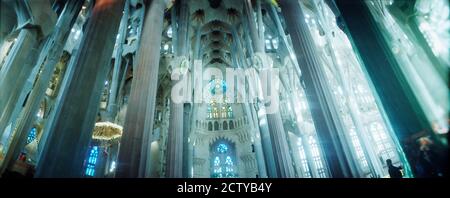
359, 151
31, 135
303, 160
230, 112
223, 165
316, 157
92, 160
384, 148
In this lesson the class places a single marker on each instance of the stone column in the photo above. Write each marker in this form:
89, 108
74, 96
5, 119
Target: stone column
293, 98
175, 136
71, 131
273, 13
54, 102
141, 106
251, 24
374, 163
55, 105
260, 119
17, 68
280, 147
327, 128
196, 67
51, 55
175, 142
187, 115
400, 105
236, 55
259, 151
406, 18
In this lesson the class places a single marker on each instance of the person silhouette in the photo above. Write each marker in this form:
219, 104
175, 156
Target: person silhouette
394, 172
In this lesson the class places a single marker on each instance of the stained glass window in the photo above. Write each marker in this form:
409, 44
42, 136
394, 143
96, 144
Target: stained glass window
92, 160
317, 157
384, 148
358, 148
31, 135
218, 108
303, 159
230, 112
223, 164
222, 148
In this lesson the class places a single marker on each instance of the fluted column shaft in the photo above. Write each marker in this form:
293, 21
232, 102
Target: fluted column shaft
15, 72
309, 64
401, 107
189, 159
141, 107
283, 160
71, 131
237, 56
175, 141
175, 137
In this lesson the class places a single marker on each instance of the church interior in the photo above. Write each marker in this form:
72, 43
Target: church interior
224, 88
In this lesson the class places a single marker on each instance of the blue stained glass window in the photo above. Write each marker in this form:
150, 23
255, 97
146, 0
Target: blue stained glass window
217, 167
31, 135
92, 160
216, 161
228, 161
230, 112
222, 148
223, 162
